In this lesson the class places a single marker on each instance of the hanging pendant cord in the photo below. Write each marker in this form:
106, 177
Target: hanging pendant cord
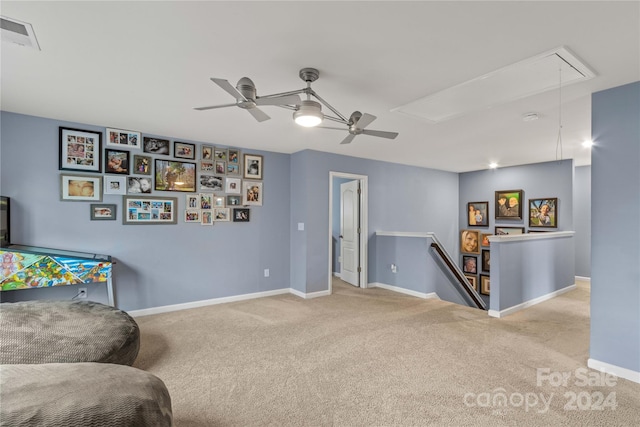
559, 141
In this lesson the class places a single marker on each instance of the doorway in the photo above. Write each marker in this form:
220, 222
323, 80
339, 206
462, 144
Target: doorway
336, 211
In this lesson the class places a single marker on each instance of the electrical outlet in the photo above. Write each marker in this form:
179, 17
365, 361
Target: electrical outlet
394, 268
266, 272
82, 293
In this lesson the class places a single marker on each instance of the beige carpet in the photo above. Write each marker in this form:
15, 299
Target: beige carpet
372, 357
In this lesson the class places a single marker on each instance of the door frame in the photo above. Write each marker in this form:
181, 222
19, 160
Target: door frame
364, 228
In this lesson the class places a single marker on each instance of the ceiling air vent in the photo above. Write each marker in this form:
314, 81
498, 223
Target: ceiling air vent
520, 80
17, 32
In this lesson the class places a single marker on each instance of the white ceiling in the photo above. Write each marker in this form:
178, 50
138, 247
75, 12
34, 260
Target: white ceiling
143, 66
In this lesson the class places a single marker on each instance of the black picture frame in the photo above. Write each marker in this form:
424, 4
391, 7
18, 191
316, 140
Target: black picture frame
80, 150
116, 161
504, 231
174, 175
156, 146
479, 216
184, 150
141, 165
241, 214
543, 213
486, 260
469, 264
509, 204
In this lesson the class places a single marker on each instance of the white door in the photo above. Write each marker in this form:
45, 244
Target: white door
349, 232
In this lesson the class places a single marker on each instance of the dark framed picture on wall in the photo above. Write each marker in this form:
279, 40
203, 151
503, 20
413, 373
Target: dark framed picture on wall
504, 231
116, 161
184, 150
509, 204
156, 146
175, 176
473, 281
469, 264
543, 213
80, 150
478, 214
486, 260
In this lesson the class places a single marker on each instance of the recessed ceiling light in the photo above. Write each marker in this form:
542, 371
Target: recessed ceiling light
493, 165
587, 144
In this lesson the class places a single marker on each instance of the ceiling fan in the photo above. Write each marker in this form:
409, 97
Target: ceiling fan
357, 124
247, 99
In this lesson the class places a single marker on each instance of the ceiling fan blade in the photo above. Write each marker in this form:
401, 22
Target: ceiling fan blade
329, 127
278, 100
211, 107
365, 120
224, 84
348, 139
381, 134
258, 114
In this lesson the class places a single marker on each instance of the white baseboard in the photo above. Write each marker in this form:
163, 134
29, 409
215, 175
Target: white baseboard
511, 310
586, 279
311, 295
336, 274
422, 295
204, 303
618, 371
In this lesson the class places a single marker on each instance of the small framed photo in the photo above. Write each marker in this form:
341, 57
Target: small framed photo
211, 182
486, 260
220, 167
156, 146
142, 210
206, 201
233, 186
221, 154
233, 169
484, 239
509, 204
81, 188
141, 165
234, 200
80, 150
206, 152
207, 166
503, 231
485, 284
175, 176
470, 241
543, 213
137, 185
192, 201
253, 166
233, 157
219, 202
241, 215
206, 217
115, 184
100, 212
473, 281
469, 264
478, 214
123, 138
116, 161
192, 215
184, 150
221, 214
252, 193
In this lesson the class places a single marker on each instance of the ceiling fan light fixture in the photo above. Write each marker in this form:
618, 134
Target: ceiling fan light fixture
309, 114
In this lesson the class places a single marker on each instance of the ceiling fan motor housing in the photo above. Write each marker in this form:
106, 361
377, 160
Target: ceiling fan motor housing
248, 89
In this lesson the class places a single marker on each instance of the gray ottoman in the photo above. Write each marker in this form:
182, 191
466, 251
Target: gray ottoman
82, 395
66, 331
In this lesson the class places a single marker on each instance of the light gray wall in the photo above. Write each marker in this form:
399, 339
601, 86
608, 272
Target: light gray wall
401, 198
615, 227
156, 265
335, 232
582, 220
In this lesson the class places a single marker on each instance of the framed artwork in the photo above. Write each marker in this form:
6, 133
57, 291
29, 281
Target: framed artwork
252, 193
219, 201
485, 282
221, 154
473, 281
486, 260
192, 201
211, 182
509, 204
137, 185
115, 184
233, 169
206, 152
149, 210
478, 214
207, 166
184, 150
253, 166
221, 214
80, 150
543, 213
206, 217
241, 215
233, 186
123, 138
484, 239
171, 175
233, 157
503, 231
234, 200
100, 212
206, 201
80, 188
116, 161
470, 241
141, 165
220, 167
156, 146
192, 215
470, 264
